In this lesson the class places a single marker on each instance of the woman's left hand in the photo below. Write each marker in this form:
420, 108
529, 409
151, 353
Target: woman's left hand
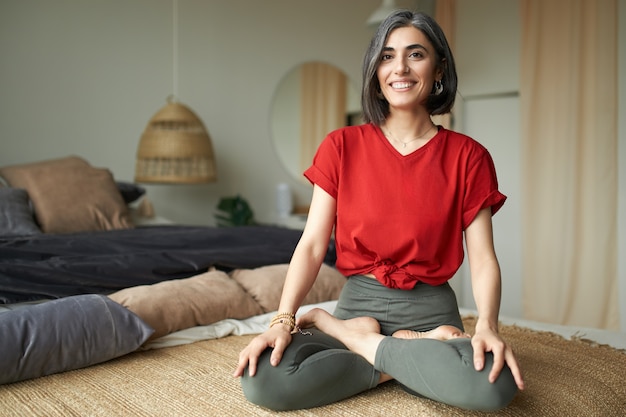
488, 340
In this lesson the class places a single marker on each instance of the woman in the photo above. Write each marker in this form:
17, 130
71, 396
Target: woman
401, 193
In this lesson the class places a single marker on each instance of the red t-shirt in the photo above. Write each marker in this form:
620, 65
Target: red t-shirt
402, 217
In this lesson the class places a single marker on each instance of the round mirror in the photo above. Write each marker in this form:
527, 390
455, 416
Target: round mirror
312, 100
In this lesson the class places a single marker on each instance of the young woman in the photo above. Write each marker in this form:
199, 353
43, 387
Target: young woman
401, 194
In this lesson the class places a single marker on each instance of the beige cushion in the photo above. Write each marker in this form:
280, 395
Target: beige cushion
174, 305
69, 195
265, 284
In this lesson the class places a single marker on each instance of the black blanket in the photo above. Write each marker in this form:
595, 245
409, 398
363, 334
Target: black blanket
54, 266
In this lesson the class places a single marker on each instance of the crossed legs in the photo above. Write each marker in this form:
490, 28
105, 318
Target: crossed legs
362, 335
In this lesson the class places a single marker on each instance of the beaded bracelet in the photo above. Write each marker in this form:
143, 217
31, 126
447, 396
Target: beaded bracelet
290, 320
285, 318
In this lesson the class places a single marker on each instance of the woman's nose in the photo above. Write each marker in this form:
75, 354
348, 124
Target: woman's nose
401, 67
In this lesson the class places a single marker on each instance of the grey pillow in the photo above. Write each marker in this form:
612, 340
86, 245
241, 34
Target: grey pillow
65, 334
16, 214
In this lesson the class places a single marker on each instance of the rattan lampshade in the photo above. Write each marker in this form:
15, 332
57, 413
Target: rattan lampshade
175, 148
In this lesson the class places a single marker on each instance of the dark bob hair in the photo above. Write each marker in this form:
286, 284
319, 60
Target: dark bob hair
376, 107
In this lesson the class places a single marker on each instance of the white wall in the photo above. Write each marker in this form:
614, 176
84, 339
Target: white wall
487, 47
488, 110
486, 119
84, 77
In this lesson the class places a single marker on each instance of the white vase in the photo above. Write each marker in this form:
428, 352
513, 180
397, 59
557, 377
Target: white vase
284, 200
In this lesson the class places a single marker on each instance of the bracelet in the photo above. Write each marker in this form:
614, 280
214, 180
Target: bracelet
285, 318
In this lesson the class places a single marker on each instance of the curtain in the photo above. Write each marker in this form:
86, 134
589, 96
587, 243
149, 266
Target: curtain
322, 108
568, 98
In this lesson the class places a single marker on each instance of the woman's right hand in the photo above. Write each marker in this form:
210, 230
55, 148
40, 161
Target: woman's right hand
303, 269
277, 337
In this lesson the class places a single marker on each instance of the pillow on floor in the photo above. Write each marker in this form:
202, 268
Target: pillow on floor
265, 284
65, 334
179, 304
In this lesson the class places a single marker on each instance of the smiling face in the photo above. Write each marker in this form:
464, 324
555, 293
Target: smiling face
408, 69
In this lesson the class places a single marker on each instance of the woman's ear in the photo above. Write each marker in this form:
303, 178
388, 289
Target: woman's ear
440, 69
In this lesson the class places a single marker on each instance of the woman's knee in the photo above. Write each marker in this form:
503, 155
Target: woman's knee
310, 379
260, 395
479, 393
263, 389
464, 387
489, 396
494, 397
282, 387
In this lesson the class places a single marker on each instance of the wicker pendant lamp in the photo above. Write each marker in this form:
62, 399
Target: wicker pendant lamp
175, 148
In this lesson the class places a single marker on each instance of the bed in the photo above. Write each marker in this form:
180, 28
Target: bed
101, 317
67, 236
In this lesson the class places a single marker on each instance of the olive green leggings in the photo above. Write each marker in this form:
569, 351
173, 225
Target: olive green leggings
317, 369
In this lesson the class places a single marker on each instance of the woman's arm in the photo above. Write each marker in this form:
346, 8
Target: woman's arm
310, 251
486, 286
301, 274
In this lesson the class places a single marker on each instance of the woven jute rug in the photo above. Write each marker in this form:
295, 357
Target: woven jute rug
563, 378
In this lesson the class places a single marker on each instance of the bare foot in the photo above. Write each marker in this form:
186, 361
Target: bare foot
444, 332
331, 325
361, 335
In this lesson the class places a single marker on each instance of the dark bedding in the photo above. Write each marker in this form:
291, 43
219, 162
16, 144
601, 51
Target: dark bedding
48, 266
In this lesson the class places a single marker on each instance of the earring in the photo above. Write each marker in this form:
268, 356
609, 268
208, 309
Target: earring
438, 87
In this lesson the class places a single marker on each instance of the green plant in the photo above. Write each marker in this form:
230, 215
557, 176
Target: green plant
234, 211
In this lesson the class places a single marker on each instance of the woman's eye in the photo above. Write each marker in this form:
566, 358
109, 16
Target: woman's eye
416, 55
386, 57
